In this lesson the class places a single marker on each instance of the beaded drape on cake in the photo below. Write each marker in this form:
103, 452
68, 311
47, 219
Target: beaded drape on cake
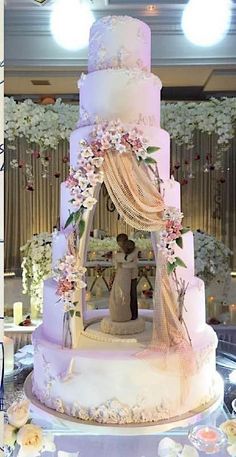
141, 205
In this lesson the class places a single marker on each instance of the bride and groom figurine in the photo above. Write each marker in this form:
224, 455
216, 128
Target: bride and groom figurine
123, 303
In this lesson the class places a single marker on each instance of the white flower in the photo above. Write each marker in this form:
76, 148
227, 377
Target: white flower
89, 202
83, 182
81, 270
9, 435
142, 153
48, 443
80, 284
189, 451
30, 440
18, 413
168, 448
232, 450
97, 161
87, 152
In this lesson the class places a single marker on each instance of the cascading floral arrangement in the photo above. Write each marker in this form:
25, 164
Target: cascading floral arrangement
36, 266
69, 274
112, 136
172, 236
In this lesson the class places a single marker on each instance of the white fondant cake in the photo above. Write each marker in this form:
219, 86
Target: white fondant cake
105, 378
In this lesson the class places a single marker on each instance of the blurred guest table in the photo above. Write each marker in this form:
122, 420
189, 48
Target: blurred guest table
21, 335
226, 332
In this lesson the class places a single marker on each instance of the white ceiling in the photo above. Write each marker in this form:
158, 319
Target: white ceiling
31, 53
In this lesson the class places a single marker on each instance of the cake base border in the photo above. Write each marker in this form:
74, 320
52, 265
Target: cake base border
92, 427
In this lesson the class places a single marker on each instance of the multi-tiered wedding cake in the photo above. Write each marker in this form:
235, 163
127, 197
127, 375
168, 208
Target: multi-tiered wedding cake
105, 378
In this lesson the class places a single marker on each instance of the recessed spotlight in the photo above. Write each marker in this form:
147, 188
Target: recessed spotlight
206, 22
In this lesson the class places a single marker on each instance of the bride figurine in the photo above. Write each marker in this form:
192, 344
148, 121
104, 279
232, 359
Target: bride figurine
120, 296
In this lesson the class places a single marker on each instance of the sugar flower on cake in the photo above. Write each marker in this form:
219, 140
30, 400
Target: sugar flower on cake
105, 136
69, 274
172, 236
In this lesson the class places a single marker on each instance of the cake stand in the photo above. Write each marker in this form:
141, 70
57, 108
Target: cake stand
63, 421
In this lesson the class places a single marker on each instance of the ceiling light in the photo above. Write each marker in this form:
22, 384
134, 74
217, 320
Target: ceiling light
151, 8
206, 22
70, 24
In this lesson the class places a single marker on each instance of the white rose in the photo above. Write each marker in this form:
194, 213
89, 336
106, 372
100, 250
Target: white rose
9, 435
18, 413
30, 440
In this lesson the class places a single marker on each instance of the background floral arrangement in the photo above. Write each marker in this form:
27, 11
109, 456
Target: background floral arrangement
212, 260
36, 266
20, 433
46, 125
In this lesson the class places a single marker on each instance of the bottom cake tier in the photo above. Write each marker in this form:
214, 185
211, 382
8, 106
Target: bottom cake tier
119, 380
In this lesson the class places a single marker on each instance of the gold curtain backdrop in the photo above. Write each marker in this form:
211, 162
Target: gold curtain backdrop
207, 204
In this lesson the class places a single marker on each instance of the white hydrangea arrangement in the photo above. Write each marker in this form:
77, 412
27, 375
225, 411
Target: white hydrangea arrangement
44, 125
212, 260
36, 266
47, 125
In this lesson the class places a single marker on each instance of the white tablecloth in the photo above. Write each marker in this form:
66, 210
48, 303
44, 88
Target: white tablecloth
20, 335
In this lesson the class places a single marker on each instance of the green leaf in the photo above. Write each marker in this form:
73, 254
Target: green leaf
71, 312
69, 220
81, 227
77, 215
179, 241
152, 149
78, 314
149, 160
185, 230
180, 263
171, 267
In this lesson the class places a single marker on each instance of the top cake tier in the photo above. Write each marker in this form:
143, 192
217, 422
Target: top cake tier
119, 42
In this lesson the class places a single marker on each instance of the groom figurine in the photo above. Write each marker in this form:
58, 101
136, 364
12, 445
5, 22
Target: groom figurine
122, 239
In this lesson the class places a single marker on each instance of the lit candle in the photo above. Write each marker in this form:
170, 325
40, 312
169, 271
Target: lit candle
208, 439
17, 312
207, 434
232, 309
8, 355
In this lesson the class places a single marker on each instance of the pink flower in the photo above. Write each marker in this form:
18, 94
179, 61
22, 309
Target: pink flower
64, 286
71, 181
